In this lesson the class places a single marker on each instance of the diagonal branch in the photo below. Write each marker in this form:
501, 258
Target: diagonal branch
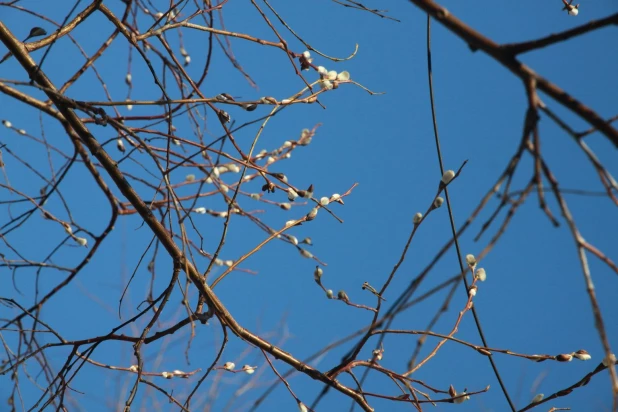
523, 47
477, 41
215, 305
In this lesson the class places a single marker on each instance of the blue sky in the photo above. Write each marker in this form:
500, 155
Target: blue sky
534, 300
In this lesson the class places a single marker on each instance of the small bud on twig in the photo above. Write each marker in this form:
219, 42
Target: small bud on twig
343, 76
224, 117
312, 213
367, 286
417, 218
120, 145
377, 354
292, 194
480, 274
470, 260
317, 274
564, 357
447, 177
582, 354
336, 198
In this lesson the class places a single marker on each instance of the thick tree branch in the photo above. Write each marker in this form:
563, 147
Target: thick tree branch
493, 49
215, 305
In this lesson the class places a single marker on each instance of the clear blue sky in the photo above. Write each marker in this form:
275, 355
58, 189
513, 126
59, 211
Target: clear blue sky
534, 300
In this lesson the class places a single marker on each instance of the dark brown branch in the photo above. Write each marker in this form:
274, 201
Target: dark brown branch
478, 41
523, 47
215, 305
